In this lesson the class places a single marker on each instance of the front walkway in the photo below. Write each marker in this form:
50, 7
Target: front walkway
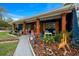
23, 48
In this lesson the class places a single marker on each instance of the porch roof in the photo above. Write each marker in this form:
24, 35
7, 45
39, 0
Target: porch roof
53, 14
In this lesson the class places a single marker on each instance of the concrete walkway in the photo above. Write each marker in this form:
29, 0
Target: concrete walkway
23, 48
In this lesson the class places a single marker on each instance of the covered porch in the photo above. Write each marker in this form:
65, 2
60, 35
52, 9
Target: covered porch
54, 24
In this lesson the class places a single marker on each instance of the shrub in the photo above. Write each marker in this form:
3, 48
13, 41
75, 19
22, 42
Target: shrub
57, 37
48, 38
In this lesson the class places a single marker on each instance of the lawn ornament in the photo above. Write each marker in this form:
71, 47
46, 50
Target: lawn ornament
64, 44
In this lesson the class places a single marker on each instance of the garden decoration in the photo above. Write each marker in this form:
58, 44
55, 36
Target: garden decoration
64, 43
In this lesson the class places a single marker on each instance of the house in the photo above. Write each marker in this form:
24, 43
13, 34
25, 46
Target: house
59, 20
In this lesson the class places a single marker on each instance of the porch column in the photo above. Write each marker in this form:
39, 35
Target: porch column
44, 26
57, 26
32, 26
37, 27
14, 26
24, 28
63, 22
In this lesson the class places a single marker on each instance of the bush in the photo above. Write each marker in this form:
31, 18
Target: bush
57, 37
48, 38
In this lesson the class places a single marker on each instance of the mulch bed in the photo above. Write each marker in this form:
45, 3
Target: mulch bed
42, 49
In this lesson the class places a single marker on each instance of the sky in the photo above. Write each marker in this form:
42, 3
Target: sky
21, 10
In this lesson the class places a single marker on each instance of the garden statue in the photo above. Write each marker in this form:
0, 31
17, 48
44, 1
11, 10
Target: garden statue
64, 44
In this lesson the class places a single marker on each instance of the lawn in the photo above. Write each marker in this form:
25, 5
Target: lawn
3, 34
5, 37
7, 49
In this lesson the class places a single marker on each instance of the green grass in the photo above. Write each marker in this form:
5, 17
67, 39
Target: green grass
7, 49
5, 37
3, 34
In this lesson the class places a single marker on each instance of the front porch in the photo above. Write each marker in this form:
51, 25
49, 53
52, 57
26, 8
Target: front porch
59, 24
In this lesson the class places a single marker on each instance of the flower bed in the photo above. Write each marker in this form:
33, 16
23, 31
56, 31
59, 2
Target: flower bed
49, 45
42, 49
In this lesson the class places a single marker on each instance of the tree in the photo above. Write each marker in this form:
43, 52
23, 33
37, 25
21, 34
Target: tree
4, 18
2, 11
9, 19
4, 24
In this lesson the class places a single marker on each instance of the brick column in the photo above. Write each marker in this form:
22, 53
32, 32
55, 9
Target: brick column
32, 26
63, 22
37, 27
57, 26
24, 28
44, 26
14, 27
